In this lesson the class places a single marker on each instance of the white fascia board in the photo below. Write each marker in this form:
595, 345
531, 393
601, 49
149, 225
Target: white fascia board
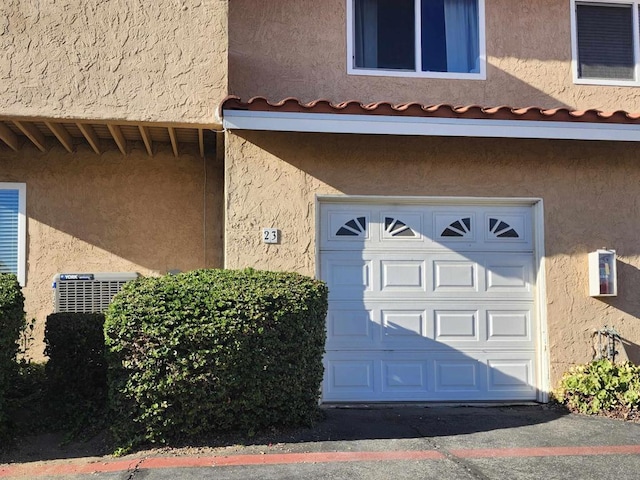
448, 127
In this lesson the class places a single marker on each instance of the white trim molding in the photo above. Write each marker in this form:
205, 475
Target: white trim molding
421, 126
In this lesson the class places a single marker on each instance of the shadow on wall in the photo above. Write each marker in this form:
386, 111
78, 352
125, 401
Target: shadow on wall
567, 174
106, 212
627, 301
628, 289
307, 42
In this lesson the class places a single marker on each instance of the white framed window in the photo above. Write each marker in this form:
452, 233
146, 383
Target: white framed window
13, 229
416, 38
605, 42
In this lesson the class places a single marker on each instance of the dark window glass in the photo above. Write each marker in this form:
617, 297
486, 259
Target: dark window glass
434, 37
384, 34
605, 41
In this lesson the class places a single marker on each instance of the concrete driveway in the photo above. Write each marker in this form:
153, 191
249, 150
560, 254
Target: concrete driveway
409, 442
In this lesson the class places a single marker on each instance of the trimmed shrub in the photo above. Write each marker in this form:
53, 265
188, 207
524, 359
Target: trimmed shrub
76, 370
601, 387
212, 351
12, 323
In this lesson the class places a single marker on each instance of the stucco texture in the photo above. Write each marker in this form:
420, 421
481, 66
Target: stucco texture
91, 213
164, 60
528, 47
589, 190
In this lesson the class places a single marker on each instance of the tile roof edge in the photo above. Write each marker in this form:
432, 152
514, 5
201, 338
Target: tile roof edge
442, 110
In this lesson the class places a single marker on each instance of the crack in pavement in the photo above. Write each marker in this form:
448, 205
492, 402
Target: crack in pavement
462, 463
136, 468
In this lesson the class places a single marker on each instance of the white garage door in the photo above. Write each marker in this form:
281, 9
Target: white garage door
428, 302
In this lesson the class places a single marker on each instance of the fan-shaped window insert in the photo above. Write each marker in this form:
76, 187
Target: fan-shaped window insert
353, 228
502, 229
397, 228
459, 228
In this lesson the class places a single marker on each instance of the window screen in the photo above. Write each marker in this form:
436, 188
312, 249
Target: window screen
605, 41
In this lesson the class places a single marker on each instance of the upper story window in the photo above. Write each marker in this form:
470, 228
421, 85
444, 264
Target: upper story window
416, 38
13, 229
605, 41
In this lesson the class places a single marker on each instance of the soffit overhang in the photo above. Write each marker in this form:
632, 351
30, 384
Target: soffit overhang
18, 133
324, 116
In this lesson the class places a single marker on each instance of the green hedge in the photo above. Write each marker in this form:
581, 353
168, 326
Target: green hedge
12, 322
214, 350
76, 371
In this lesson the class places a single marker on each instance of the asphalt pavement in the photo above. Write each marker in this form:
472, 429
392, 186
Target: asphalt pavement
390, 442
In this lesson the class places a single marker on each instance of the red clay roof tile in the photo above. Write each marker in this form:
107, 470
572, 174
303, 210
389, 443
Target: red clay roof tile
503, 112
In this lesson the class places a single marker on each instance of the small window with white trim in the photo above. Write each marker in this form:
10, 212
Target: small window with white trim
420, 38
605, 41
13, 229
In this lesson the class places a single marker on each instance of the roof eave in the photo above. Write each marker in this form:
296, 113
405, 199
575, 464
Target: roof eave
427, 126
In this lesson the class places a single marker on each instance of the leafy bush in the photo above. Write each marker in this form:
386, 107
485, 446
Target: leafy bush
600, 387
12, 322
76, 370
214, 350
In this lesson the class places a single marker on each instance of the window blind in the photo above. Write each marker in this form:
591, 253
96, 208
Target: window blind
9, 214
605, 41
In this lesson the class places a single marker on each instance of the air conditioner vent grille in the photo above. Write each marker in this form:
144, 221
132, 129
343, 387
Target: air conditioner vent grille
87, 293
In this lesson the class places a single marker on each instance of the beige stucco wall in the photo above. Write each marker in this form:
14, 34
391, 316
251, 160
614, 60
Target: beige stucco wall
589, 190
164, 60
114, 213
298, 48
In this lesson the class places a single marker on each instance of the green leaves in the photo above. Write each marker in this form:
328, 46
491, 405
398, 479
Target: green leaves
12, 323
76, 370
214, 350
601, 386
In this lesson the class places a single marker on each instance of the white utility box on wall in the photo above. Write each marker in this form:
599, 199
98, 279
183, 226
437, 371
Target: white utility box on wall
603, 278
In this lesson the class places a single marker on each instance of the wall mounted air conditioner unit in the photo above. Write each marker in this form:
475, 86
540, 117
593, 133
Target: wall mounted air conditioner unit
87, 292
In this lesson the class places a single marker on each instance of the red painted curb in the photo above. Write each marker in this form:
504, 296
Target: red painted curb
288, 458
60, 468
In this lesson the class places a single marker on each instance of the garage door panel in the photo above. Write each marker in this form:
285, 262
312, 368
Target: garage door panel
347, 277
514, 374
457, 375
508, 325
402, 227
510, 274
406, 276
429, 303
404, 323
435, 325
420, 376
454, 277
507, 228
404, 376
348, 227
350, 376
350, 323
456, 325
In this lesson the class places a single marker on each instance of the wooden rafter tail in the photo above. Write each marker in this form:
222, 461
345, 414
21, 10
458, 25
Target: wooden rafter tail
8, 137
174, 140
201, 141
146, 138
32, 133
118, 137
90, 136
61, 134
